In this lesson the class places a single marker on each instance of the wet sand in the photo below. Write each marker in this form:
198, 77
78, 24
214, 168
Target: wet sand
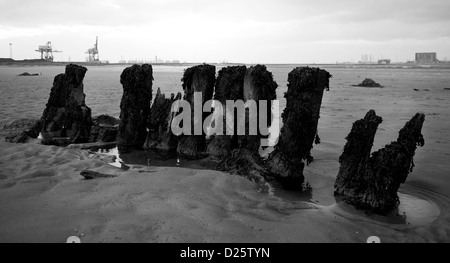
46, 200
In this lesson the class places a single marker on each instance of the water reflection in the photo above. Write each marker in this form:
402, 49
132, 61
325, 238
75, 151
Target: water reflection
302, 193
155, 158
158, 158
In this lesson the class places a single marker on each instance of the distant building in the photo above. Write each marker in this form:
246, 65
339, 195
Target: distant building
430, 57
366, 59
384, 61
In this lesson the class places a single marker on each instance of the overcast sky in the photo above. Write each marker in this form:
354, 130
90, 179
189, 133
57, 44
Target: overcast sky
251, 31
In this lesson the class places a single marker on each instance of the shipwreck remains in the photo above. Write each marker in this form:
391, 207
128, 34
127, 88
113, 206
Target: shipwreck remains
245, 163
91, 175
260, 87
160, 135
196, 79
105, 129
304, 99
21, 131
238, 83
229, 86
66, 118
239, 154
372, 182
137, 82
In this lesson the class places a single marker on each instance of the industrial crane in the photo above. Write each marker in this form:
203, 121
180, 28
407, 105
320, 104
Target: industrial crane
93, 53
47, 51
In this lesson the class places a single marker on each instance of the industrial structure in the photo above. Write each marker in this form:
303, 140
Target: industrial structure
429, 57
93, 53
47, 51
384, 61
366, 59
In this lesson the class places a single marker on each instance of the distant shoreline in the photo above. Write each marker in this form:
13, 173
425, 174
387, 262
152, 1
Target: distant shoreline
40, 62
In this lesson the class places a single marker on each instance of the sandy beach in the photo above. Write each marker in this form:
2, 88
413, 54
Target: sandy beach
46, 200
43, 198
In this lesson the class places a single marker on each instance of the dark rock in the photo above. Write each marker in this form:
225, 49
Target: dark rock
105, 129
160, 134
446, 88
258, 85
369, 83
90, 175
304, 98
106, 121
372, 182
137, 82
66, 118
21, 131
229, 86
196, 79
26, 74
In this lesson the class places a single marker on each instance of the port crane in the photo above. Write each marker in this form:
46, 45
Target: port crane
47, 51
93, 53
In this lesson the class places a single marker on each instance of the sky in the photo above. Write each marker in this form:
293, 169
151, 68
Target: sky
241, 31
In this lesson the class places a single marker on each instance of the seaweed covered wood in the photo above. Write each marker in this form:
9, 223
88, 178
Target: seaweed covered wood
67, 119
372, 182
304, 99
245, 163
160, 135
229, 86
200, 79
259, 86
239, 153
21, 131
137, 82
105, 129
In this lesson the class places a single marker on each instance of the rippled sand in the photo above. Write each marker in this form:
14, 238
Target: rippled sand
43, 197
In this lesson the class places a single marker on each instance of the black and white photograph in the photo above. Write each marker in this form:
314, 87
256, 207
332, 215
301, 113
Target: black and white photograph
224, 122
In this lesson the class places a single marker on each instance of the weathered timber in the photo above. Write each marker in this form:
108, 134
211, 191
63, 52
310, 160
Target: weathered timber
258, 86
372, 182
66, 118
229, 87
137, 82
160, 135
21, 131
105, 129
196, 79
90, 175
304, 99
